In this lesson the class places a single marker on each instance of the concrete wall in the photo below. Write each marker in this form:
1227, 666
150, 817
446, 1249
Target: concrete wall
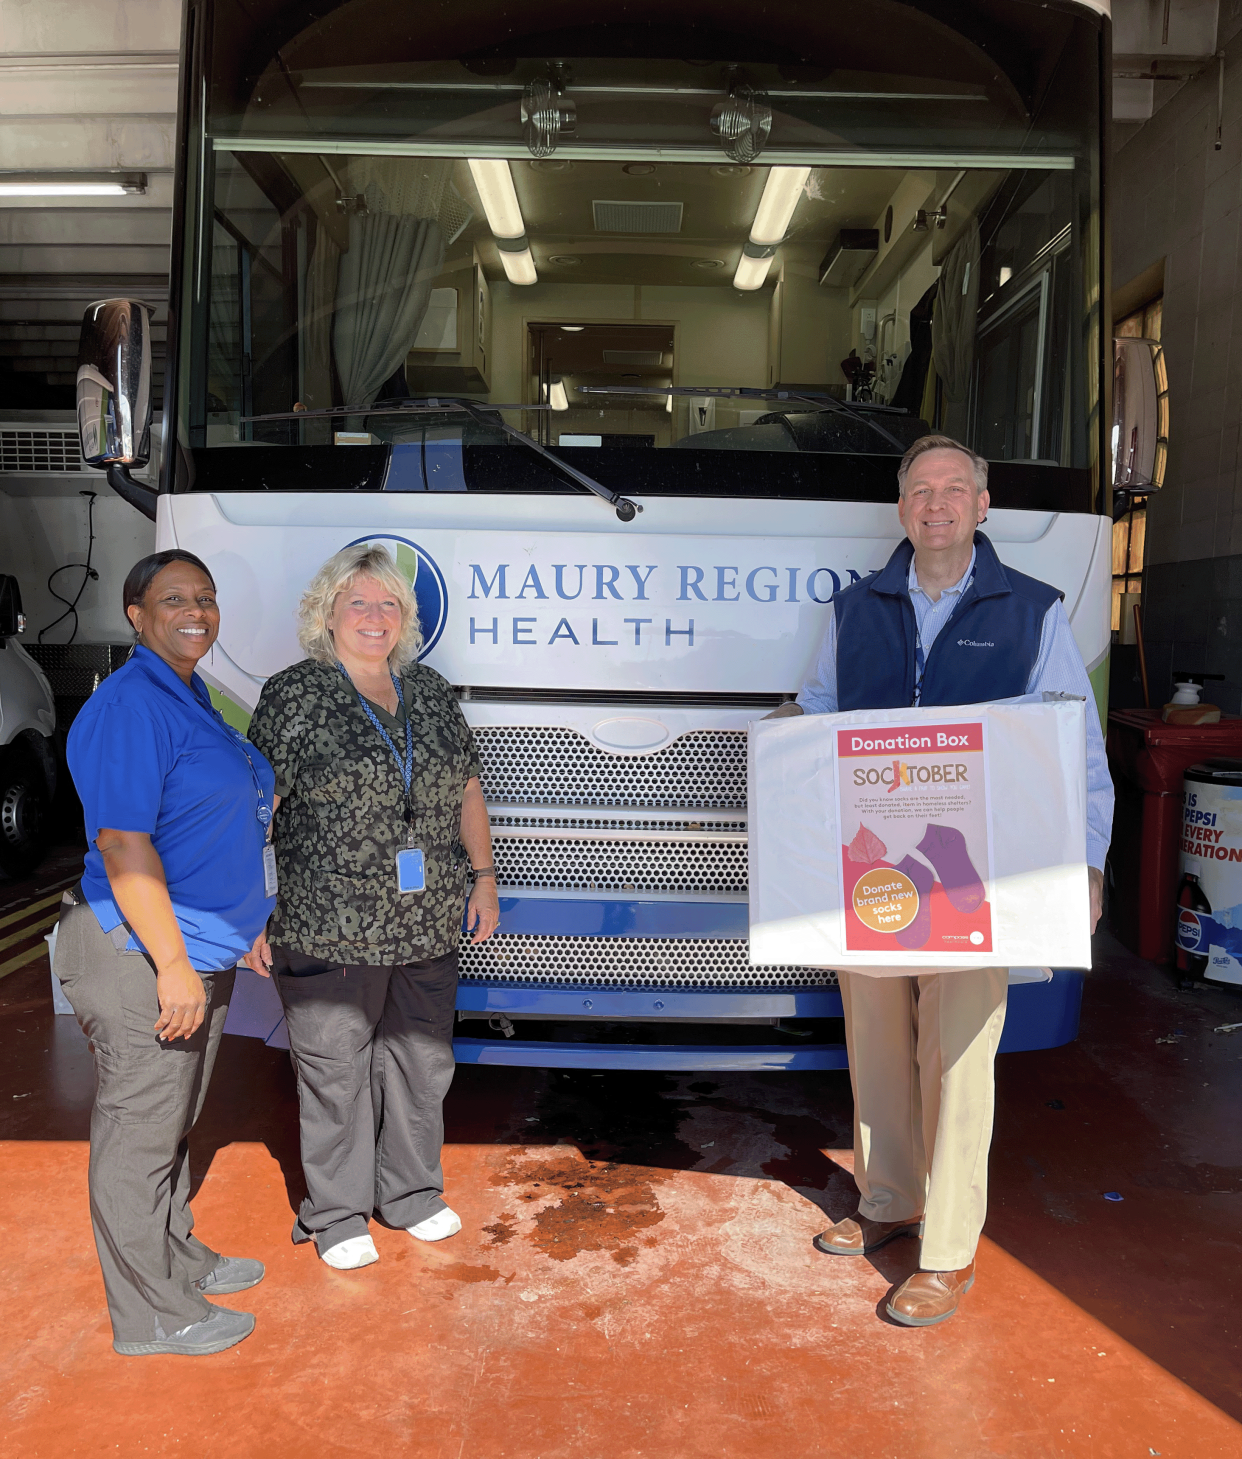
1176, 199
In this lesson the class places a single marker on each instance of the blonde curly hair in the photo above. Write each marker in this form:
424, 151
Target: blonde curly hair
364, 560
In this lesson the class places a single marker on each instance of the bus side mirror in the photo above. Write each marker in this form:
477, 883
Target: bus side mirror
114, 394
1140, 415
12, 619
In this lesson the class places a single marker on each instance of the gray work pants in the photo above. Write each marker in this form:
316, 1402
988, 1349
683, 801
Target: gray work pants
373, 1052
148, 1095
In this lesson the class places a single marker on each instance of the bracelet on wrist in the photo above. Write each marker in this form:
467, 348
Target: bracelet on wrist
478, 871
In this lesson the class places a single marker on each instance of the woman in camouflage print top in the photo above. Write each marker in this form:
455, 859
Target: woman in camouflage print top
367, 972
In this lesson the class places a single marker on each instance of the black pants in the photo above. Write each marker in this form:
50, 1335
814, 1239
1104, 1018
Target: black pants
373, 1051
148, 1095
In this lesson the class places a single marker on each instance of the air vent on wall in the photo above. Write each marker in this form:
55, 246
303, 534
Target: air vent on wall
633, 358
39, 450
848, 258
613, 217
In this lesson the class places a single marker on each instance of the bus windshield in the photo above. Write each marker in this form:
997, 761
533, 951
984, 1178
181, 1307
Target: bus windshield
700, 256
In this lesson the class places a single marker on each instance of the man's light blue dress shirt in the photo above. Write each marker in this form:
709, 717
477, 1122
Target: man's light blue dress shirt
1058, 668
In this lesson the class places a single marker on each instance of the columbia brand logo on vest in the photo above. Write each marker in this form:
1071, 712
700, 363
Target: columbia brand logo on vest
975, 643
426, 580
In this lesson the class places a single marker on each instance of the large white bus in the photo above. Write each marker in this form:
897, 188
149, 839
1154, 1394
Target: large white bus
613, 322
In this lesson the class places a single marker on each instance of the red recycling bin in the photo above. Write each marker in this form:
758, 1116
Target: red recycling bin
1148, 758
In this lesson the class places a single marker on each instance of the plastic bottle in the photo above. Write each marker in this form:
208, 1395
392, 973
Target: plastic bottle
1191, 900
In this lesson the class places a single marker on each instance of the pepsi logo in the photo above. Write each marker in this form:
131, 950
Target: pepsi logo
1189, 930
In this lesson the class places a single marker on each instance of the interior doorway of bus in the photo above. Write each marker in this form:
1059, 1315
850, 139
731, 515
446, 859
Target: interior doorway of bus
563, 357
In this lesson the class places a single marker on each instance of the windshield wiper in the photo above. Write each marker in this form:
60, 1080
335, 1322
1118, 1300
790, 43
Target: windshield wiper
626, 510
813, 398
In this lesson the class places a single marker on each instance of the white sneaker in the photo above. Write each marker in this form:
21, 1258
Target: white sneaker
353, 1252
436, 1228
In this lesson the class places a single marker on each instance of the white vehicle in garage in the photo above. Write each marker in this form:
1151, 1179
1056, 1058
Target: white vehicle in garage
27, 743
613, 324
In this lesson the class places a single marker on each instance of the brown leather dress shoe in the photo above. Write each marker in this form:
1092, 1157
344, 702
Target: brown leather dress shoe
929, 1297
857, 1235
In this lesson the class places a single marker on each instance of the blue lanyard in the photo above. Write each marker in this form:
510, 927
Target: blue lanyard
405, 766
920, 658
263, 811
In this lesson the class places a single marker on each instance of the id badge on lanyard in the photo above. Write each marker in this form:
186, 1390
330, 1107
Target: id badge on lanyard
410, 863
269, 851
269, 869
411, 871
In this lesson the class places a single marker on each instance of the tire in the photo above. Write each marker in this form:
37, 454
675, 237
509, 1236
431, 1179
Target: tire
25, 814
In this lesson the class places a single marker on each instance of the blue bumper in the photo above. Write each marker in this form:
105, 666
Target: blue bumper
1041, 1015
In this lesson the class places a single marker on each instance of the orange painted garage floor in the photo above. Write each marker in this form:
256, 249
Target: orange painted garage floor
636, 1275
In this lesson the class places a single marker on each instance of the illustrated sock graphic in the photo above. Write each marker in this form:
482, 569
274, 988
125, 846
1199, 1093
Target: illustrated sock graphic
945, 848
919, 930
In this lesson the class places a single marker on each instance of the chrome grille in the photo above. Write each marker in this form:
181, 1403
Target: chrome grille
612, 821
628, 962
557, 766
621, 866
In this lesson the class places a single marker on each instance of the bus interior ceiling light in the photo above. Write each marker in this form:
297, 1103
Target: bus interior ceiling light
772, 218
71, 184
494, 182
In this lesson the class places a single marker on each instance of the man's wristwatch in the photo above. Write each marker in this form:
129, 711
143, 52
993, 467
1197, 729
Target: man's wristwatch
478, 871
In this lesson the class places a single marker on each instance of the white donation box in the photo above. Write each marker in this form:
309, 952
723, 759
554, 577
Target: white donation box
898, 841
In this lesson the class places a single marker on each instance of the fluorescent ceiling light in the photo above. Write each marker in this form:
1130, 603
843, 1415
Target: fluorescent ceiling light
773, 216
751, 272
71, 184
496, 192
557, 398
519, 267
494, 182
776, 207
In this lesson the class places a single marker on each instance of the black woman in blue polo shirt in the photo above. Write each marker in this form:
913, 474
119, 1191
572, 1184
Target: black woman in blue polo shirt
178, 882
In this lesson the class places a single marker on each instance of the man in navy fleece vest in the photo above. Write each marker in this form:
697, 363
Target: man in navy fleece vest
942, 623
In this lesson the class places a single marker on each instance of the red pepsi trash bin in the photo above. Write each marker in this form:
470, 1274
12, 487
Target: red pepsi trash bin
1148, 760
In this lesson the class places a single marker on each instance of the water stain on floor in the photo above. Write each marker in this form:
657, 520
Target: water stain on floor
462, 1272
584, 1205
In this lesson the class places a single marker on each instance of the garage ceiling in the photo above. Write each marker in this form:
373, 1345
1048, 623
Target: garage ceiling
92, 84
84, 85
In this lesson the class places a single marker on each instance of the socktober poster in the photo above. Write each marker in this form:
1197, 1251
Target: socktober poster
916, 863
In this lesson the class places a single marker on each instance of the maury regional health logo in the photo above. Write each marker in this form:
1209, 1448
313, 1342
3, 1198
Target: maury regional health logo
426, 579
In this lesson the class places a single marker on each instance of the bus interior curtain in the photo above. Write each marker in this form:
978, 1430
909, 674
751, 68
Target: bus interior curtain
383, 290
954, 320
317, 326
318, 303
